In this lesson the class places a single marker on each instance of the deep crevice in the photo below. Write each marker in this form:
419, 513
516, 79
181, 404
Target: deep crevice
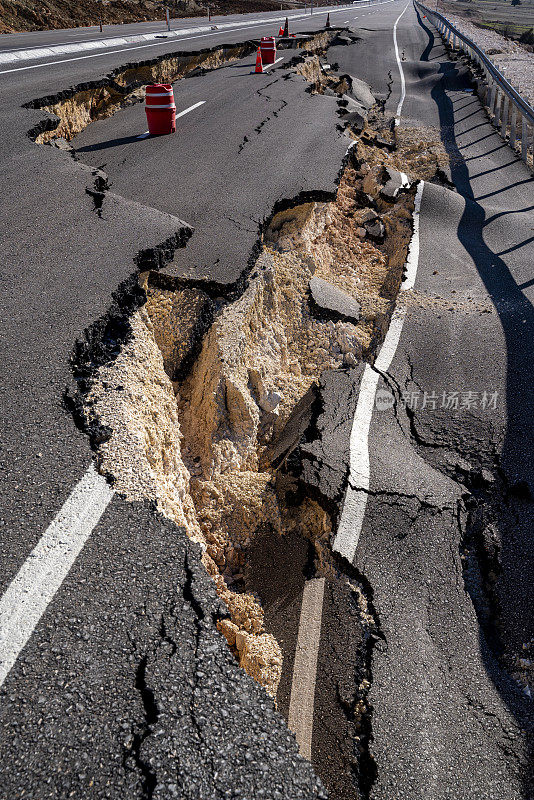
148, 777
117, 333
363, 708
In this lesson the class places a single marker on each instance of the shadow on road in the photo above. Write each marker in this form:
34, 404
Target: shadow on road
91, 148
516, 315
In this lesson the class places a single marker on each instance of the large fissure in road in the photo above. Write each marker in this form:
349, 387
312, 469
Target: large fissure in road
207, 400
188, 428
187, 395
72, 110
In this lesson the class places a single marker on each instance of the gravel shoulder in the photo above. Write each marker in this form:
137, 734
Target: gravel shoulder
513, 60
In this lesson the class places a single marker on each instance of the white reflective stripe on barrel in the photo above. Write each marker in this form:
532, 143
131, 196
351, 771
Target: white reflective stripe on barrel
151, 107
158, 94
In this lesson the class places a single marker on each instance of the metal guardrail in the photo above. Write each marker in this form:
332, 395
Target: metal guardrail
510, 110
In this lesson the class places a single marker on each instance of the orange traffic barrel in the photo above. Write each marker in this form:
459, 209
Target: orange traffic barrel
268, 49
160, 109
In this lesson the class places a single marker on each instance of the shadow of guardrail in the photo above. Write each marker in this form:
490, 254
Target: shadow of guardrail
516, 315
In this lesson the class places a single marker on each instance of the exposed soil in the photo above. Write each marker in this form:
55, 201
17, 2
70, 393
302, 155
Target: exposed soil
194, 446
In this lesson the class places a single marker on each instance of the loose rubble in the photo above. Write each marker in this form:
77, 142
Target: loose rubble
191, 439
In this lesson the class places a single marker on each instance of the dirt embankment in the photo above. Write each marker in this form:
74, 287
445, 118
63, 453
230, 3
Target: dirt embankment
27, 15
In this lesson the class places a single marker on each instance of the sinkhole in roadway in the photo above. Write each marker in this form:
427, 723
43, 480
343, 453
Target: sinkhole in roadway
206, 399
192, 412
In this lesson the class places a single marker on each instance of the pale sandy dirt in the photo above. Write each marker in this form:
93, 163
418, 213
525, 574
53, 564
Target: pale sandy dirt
194, 448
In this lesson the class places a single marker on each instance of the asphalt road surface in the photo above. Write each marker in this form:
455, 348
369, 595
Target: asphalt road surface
125, 689
13, 42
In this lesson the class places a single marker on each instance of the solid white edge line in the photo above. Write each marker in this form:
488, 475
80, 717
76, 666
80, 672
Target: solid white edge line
302, 698
412, 260
401, 71
353, 511
28, 595
179, 39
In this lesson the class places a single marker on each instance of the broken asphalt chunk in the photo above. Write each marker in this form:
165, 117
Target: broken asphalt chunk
342, 39
313, 447
352, 112
394, 183
333, 302
361, 92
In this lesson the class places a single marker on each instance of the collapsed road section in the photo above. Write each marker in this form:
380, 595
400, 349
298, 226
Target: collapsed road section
190, 391
194, 409
226, 406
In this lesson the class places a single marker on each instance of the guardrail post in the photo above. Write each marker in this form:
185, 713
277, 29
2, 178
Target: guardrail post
498, 102
513, 124
486, 94
493, 97
524, 138
504, 122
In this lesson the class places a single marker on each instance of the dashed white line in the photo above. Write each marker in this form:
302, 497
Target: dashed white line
401, 71
268, 66
191, 108
301, 703
33, 588
353, 512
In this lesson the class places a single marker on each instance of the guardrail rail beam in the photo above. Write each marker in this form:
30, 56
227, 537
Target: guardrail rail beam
505, 104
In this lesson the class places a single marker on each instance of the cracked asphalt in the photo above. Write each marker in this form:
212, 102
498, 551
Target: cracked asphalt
229, 162
125, 688
448, 719
95, 705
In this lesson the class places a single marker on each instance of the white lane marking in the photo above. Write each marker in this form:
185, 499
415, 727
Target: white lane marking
268, 66
45, 46
109, 52
412, 259
175, 35
29, 594
353, 512
401, 71
180, 39
144, 135
191, 108
301, 703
